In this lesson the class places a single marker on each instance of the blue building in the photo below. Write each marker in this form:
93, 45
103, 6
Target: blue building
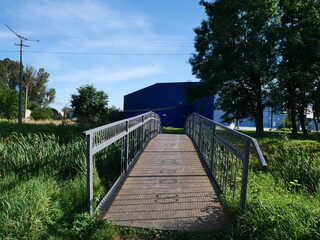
271, 120
167, 100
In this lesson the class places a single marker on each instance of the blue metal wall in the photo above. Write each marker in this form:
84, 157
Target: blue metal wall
168, 100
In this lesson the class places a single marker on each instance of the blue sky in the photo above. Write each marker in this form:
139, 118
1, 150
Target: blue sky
119, 46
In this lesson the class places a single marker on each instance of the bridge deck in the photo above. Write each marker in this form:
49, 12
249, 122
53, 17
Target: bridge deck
168, 189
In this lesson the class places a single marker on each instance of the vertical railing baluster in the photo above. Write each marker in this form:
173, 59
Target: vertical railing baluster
212, 147
126, 155
142, 129
89, 174
199, 136
245, 173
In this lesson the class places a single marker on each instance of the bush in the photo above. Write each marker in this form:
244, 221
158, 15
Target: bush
42, 113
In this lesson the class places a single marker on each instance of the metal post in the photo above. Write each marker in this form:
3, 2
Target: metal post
245, 173
126, 145
192, 135
212, 147
143, 132
199, 140
89, 174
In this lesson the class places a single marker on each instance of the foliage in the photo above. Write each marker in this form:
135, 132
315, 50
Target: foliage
300, 55
42, 186
298, 168
34, 89
113, 114
45, 156
37, 86
274, 213
43, 113
48, 199
64, 133
27, 208
254, 54
8, 103
9, 73
89, 104
236, 56
108, 164
293, 163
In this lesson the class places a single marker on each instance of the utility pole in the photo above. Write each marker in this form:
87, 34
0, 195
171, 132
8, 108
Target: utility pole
21, 69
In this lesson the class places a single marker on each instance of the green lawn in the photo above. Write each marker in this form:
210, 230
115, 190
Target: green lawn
171, 130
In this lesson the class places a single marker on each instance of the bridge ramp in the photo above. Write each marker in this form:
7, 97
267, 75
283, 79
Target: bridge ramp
168, 189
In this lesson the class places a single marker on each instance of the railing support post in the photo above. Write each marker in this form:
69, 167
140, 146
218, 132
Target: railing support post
199, 140
245, 173
126, 145
89, 174
212, 148
142, 129
193, 128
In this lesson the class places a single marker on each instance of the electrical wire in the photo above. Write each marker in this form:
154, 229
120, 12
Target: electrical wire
107, 54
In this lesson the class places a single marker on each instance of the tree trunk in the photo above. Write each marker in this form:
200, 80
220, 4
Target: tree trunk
259, 115
293, 123
302, 121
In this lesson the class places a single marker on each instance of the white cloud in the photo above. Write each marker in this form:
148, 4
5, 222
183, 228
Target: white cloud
77, 18
105, 75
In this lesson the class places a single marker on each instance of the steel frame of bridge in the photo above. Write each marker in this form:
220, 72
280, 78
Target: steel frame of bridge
225, 151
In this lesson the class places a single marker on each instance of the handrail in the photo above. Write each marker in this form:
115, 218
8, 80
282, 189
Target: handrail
226, 153
244, 136
134, 134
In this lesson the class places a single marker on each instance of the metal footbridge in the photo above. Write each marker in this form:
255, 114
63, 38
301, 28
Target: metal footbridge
169, 181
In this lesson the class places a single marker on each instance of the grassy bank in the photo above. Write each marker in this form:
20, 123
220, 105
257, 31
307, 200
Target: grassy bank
284, 199
43, 194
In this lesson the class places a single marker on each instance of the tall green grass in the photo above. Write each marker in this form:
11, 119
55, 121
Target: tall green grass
43, 186
43, 190
276, 213
283, 200
41, 154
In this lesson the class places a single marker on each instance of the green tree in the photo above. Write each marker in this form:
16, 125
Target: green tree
45, 113
112, 114
300, 58
236, 56
34, 82
9, 73
37, 87
89, 104
8, 103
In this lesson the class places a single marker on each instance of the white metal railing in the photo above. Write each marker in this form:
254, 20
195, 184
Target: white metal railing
133, 133
226, 153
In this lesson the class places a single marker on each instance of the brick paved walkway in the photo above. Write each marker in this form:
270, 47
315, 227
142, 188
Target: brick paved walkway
168, 189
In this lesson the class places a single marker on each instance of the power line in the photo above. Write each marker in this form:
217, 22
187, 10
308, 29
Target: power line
108, 54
